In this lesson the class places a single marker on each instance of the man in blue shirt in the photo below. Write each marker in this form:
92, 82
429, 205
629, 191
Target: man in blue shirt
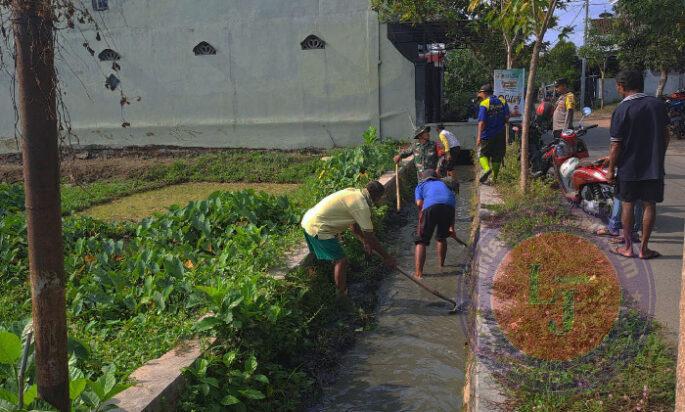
436, 203
493, 115
639, 139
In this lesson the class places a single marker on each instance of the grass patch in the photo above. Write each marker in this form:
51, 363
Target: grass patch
607, 110
522, 213
138, 206
94, 186
252, 166
633, 368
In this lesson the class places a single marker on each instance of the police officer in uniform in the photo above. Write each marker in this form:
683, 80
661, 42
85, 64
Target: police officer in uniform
563, 109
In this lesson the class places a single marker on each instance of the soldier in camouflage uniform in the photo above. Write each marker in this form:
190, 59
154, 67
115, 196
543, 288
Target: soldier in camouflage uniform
427, 154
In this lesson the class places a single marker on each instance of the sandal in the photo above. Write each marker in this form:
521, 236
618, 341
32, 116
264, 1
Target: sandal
651, 254
616, 251
619, 239
605, 232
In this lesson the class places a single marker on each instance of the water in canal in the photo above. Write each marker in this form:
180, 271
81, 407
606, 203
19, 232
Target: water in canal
414, 359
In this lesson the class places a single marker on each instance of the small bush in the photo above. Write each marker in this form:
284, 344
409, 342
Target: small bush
522, 213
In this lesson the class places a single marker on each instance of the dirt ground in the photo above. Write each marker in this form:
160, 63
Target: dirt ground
92, 164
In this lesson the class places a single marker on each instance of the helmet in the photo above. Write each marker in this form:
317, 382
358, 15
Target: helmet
545, 110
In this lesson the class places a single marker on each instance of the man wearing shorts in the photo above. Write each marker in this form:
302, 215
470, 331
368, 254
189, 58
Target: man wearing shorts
452, 147
348, 208
492, 118
639, 139
436, 203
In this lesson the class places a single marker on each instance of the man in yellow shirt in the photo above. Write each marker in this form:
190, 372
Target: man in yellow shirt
347, 208
452, 148
563, 110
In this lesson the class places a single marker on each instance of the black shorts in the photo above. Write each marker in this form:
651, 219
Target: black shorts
454, 153
440, 216
494, 147
644, 190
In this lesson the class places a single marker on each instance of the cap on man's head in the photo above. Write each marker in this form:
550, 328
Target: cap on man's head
441, 127
429, 174
486, 88
375, 189
419, 130
560, 82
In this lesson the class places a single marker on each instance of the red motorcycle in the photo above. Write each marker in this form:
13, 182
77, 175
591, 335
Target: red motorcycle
568, 146
548, 159
589, 186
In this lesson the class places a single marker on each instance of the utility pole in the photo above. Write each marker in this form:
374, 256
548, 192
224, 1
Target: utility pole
35, 73
680, 371
584, 65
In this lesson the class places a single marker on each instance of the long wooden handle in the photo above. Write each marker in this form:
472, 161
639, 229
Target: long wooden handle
426, 287
397, 187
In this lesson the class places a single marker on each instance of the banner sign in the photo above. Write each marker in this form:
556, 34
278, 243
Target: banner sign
510, 86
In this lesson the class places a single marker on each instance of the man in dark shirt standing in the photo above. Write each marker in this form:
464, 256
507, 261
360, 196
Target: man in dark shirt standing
639, 139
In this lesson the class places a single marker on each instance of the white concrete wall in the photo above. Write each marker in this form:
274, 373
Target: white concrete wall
610, 93
397, 90
259, 90
676, 81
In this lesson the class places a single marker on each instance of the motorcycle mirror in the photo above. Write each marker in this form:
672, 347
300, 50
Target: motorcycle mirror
587, 111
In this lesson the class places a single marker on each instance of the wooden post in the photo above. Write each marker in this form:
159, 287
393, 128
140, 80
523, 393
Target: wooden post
397, 187
680, 373
36, 84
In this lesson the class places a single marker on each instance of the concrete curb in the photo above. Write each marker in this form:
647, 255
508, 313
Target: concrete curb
160, 382
482, 393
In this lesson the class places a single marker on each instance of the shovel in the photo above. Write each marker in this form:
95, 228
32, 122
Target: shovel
457, 307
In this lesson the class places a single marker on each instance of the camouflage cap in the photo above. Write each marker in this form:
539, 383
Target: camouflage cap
420, 130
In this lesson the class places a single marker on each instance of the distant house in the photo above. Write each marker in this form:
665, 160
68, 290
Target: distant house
236, 73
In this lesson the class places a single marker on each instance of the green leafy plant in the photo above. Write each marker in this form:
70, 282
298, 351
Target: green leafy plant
134, 290
18, 394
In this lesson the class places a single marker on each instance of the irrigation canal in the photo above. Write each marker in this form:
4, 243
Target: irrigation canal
414, 359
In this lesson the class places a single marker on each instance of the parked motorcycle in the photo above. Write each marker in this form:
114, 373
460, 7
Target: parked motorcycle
549, 158
538, 127
586, 184
676, 112
589, 185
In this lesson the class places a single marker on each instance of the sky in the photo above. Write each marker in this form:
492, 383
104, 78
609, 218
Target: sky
574, 15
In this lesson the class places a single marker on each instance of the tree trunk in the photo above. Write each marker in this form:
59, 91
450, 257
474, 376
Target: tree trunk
530, 89
680, 374
601, 86
663, 78
510, 55
33, 36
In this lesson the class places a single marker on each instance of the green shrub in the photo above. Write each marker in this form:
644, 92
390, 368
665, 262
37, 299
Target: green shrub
135, 289
523, 213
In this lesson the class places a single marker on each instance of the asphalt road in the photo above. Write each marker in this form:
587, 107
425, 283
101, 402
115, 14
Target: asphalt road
667, 238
